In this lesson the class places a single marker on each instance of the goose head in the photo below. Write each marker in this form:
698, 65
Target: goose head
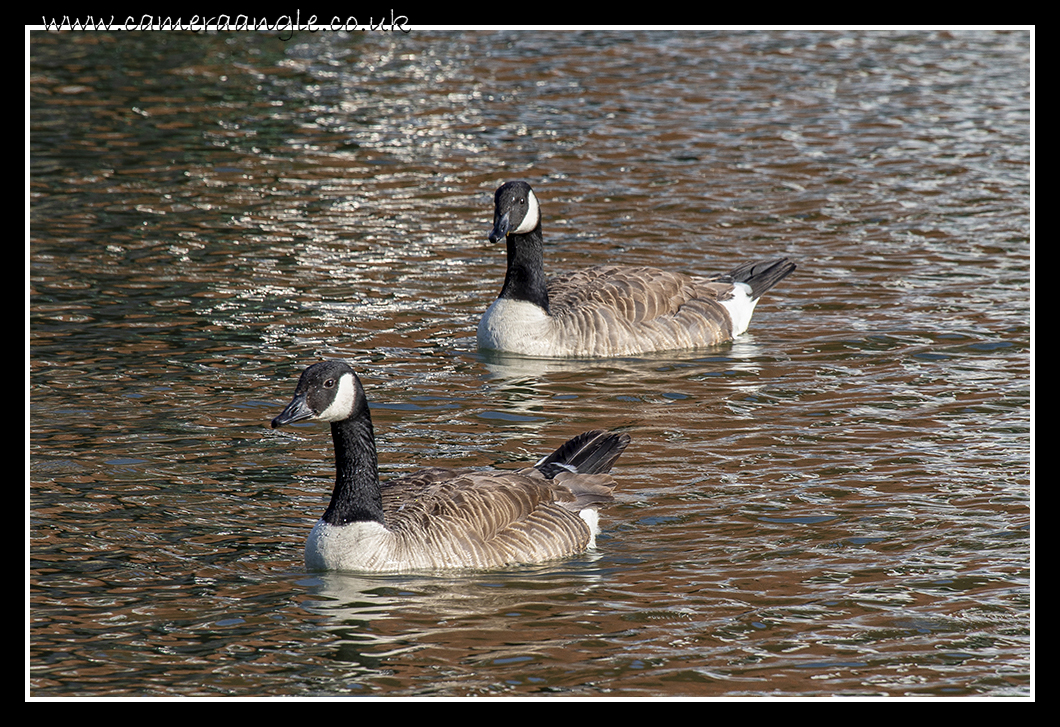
328, 392
515, 211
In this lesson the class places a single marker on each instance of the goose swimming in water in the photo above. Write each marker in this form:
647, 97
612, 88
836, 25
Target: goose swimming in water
444, 518
609, 310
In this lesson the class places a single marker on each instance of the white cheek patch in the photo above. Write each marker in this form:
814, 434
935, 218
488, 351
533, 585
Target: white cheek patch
342, 405
533, 216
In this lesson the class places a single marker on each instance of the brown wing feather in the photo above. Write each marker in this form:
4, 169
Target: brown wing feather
638, 293
492, 518
639, 308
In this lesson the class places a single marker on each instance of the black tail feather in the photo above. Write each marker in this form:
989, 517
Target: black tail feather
761, 275
588, 453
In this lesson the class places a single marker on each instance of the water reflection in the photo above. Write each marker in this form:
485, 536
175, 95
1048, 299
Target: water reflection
524, 387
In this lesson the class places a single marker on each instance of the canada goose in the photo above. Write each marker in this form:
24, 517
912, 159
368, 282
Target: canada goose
608, 310
444, 518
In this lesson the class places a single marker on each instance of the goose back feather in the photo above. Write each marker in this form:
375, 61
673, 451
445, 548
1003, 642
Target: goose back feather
609, 310
441, 518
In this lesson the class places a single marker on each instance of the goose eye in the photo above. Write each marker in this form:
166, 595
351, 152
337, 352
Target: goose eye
330, 383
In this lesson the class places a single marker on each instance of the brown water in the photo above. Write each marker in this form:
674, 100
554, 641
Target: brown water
836, 504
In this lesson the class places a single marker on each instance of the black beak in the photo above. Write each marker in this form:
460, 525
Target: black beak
501, 225
296, 411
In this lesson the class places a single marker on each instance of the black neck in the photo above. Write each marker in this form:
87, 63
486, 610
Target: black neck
356, 497
525, 279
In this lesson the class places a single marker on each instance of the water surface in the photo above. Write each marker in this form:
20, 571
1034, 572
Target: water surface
836, 504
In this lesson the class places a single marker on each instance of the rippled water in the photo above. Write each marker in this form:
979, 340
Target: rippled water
836, 504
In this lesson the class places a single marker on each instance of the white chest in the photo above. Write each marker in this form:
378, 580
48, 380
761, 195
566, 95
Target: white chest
516, 326
357, 546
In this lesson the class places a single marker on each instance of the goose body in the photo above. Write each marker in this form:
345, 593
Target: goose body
441, 518
609, 310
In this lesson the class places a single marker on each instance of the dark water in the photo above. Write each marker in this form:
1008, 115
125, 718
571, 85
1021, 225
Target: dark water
837, 504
